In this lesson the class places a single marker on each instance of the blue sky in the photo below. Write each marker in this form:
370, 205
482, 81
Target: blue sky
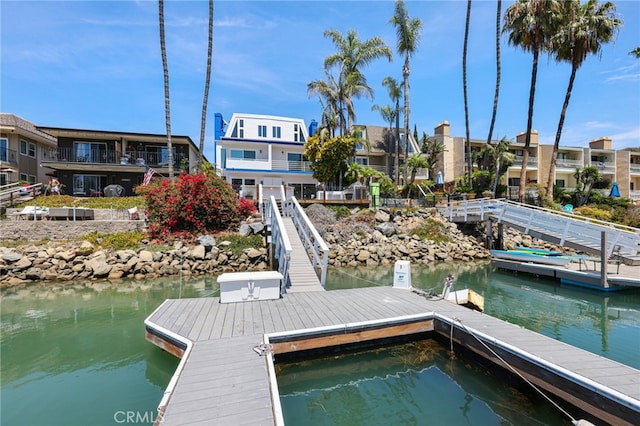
97, 65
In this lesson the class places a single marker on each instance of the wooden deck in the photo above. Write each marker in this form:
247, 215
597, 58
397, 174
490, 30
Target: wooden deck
302, 274
222, 380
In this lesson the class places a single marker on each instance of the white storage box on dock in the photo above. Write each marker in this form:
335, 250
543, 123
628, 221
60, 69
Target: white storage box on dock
402, 274
247, 286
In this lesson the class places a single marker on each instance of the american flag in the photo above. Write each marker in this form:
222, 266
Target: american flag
147, 176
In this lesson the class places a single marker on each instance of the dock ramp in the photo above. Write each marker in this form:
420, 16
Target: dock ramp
560, 228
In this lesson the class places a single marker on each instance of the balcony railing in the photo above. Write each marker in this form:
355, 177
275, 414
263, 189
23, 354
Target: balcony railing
569, 164
262, 164
634, 168
531, 161
108, 156
634, 195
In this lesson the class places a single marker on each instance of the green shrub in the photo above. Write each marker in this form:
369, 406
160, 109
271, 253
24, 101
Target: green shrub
117, 241
432, 230
240, 243
341, 211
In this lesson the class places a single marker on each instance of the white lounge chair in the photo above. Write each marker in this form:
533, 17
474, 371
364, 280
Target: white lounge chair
30, 212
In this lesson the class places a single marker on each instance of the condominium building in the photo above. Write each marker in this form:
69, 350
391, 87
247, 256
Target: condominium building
621, 166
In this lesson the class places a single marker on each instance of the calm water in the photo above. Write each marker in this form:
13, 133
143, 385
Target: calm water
75, 353
409, 384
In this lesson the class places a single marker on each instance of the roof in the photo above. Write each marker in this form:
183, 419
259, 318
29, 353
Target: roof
13, 123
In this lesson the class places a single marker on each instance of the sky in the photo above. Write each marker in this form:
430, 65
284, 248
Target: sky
97, 65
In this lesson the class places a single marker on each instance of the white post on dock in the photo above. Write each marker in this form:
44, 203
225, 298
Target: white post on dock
603, 260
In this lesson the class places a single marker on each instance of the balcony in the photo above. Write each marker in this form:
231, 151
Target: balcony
531, 161
634, 169
634, 195
274, 165
110, 157
568, 164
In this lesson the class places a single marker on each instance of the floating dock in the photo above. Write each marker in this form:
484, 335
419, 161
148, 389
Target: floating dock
585, 273
225, 375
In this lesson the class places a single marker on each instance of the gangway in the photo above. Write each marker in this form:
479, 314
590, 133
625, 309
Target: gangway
564, 229
301, 253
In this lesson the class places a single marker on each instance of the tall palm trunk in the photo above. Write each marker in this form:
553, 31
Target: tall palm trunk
464, 84
405, 75
497, 92
205, 101
527, 141
167, 107
556, 144
397, 159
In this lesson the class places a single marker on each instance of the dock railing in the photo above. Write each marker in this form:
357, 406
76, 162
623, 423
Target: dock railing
279, 239
586, 232
310, 237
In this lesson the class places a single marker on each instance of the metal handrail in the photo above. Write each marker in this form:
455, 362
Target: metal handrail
588, 231
311, 238
280, 239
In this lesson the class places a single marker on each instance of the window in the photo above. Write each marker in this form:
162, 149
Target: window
4, 179
560, 183
251, 182
23, 177
32, 150
240, 154
362, 161
238, 130
236, 184
4, 149
86, 184
90, 152
262, 131
296, 161
359, 146
32, 179
276, 132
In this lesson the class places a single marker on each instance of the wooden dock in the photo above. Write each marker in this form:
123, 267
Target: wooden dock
222, 379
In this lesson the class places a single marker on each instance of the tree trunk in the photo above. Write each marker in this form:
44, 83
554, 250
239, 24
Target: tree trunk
497, 92
205, 100
405, 75
556, 144
397, 164
167, 107
527, 140
464, 86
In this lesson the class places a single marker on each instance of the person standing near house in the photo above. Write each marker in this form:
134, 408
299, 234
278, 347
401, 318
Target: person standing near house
54, 186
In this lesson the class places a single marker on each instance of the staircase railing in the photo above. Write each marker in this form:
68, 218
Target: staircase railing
311, 239
279, 238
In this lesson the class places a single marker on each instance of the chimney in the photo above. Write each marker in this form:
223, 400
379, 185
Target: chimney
313, 127
442, 129
521, 137
603, 142
218, 126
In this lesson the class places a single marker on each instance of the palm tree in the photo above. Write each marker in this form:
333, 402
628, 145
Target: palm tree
395, 92
332, 114
528, 23
408, 34
416, 161
503, 159
464, 85
167, 107
205, 100
582, 31
498, 75
351, 57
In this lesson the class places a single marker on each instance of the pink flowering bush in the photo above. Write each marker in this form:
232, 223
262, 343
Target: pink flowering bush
190, 204
245, 207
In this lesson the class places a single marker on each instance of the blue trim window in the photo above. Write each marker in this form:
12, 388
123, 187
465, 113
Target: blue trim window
362, 161
297, 136
243, 154
276, 132
262, 131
